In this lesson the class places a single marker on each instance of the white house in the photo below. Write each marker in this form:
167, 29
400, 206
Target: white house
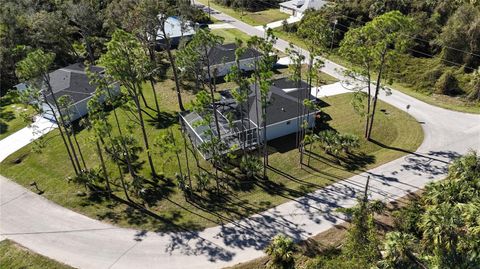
283, 117
71, 81
222, 58
298, 7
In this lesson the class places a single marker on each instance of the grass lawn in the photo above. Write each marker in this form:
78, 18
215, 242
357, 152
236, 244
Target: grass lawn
230, 35
241, 198
13, 256
11, 119
444, 101
254, 18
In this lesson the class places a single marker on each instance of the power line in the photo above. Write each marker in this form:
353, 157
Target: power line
418, 38
423, 53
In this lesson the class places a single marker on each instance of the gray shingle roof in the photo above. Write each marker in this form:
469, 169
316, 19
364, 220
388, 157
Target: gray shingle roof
72, 81
284, 101
226, 53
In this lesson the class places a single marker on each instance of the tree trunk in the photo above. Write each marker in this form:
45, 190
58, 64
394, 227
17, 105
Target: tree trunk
78, 147
369, 99
186, 160
151, 54
144, 134
375, 100
104, 168
265, 142
62, 135
127, 153
212, 87
174, 68
157, 106
61, 123
143, 97
88, 45
76, 141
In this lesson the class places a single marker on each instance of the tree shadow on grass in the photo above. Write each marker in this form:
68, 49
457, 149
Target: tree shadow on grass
5, 116
378, 143
356, 161
163, 120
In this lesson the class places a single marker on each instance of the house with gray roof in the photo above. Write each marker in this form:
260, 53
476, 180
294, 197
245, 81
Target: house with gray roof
69, 82
298, 7
222, 58
241, 125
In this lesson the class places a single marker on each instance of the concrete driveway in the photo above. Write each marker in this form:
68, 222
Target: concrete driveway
82, 242
25, 136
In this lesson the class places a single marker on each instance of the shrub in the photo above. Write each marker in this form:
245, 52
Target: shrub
332, 142
250, 165
329, 141
348, 142
447, 84
281, 251
203, 180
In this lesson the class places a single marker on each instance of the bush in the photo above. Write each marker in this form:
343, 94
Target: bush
407, 218
348, 142
333, 142
250, 165
281, 251
447, 84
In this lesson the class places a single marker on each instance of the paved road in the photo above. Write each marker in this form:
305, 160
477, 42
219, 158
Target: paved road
74, 239
25, 136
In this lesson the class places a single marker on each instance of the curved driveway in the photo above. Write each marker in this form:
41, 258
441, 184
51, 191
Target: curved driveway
82, 242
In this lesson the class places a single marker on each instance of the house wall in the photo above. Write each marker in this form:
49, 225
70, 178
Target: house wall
79, 109
286, 127
287, 10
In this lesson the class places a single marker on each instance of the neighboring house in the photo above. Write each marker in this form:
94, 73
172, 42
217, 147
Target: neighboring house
71, 81
298, 7
284, 117
222, 58
176, 30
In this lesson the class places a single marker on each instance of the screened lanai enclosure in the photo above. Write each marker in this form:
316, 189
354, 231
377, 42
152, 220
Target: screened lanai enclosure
241, 125
234, 133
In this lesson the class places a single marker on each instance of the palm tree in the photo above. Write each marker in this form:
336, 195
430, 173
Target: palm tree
442, 228
281, 251
399, 249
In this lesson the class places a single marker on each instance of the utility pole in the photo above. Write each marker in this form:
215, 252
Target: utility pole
365, 193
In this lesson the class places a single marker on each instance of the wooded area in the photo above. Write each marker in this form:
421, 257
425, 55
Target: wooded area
444, 53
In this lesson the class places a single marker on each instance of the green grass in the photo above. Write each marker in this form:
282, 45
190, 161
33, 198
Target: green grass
444, 101
11, 119
254, 18
51, 168
440, 100
14, 256
230, 35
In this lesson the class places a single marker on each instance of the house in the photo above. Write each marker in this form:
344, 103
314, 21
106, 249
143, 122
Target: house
71, 81
298, 7
241, 125
176, 30
222, 58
